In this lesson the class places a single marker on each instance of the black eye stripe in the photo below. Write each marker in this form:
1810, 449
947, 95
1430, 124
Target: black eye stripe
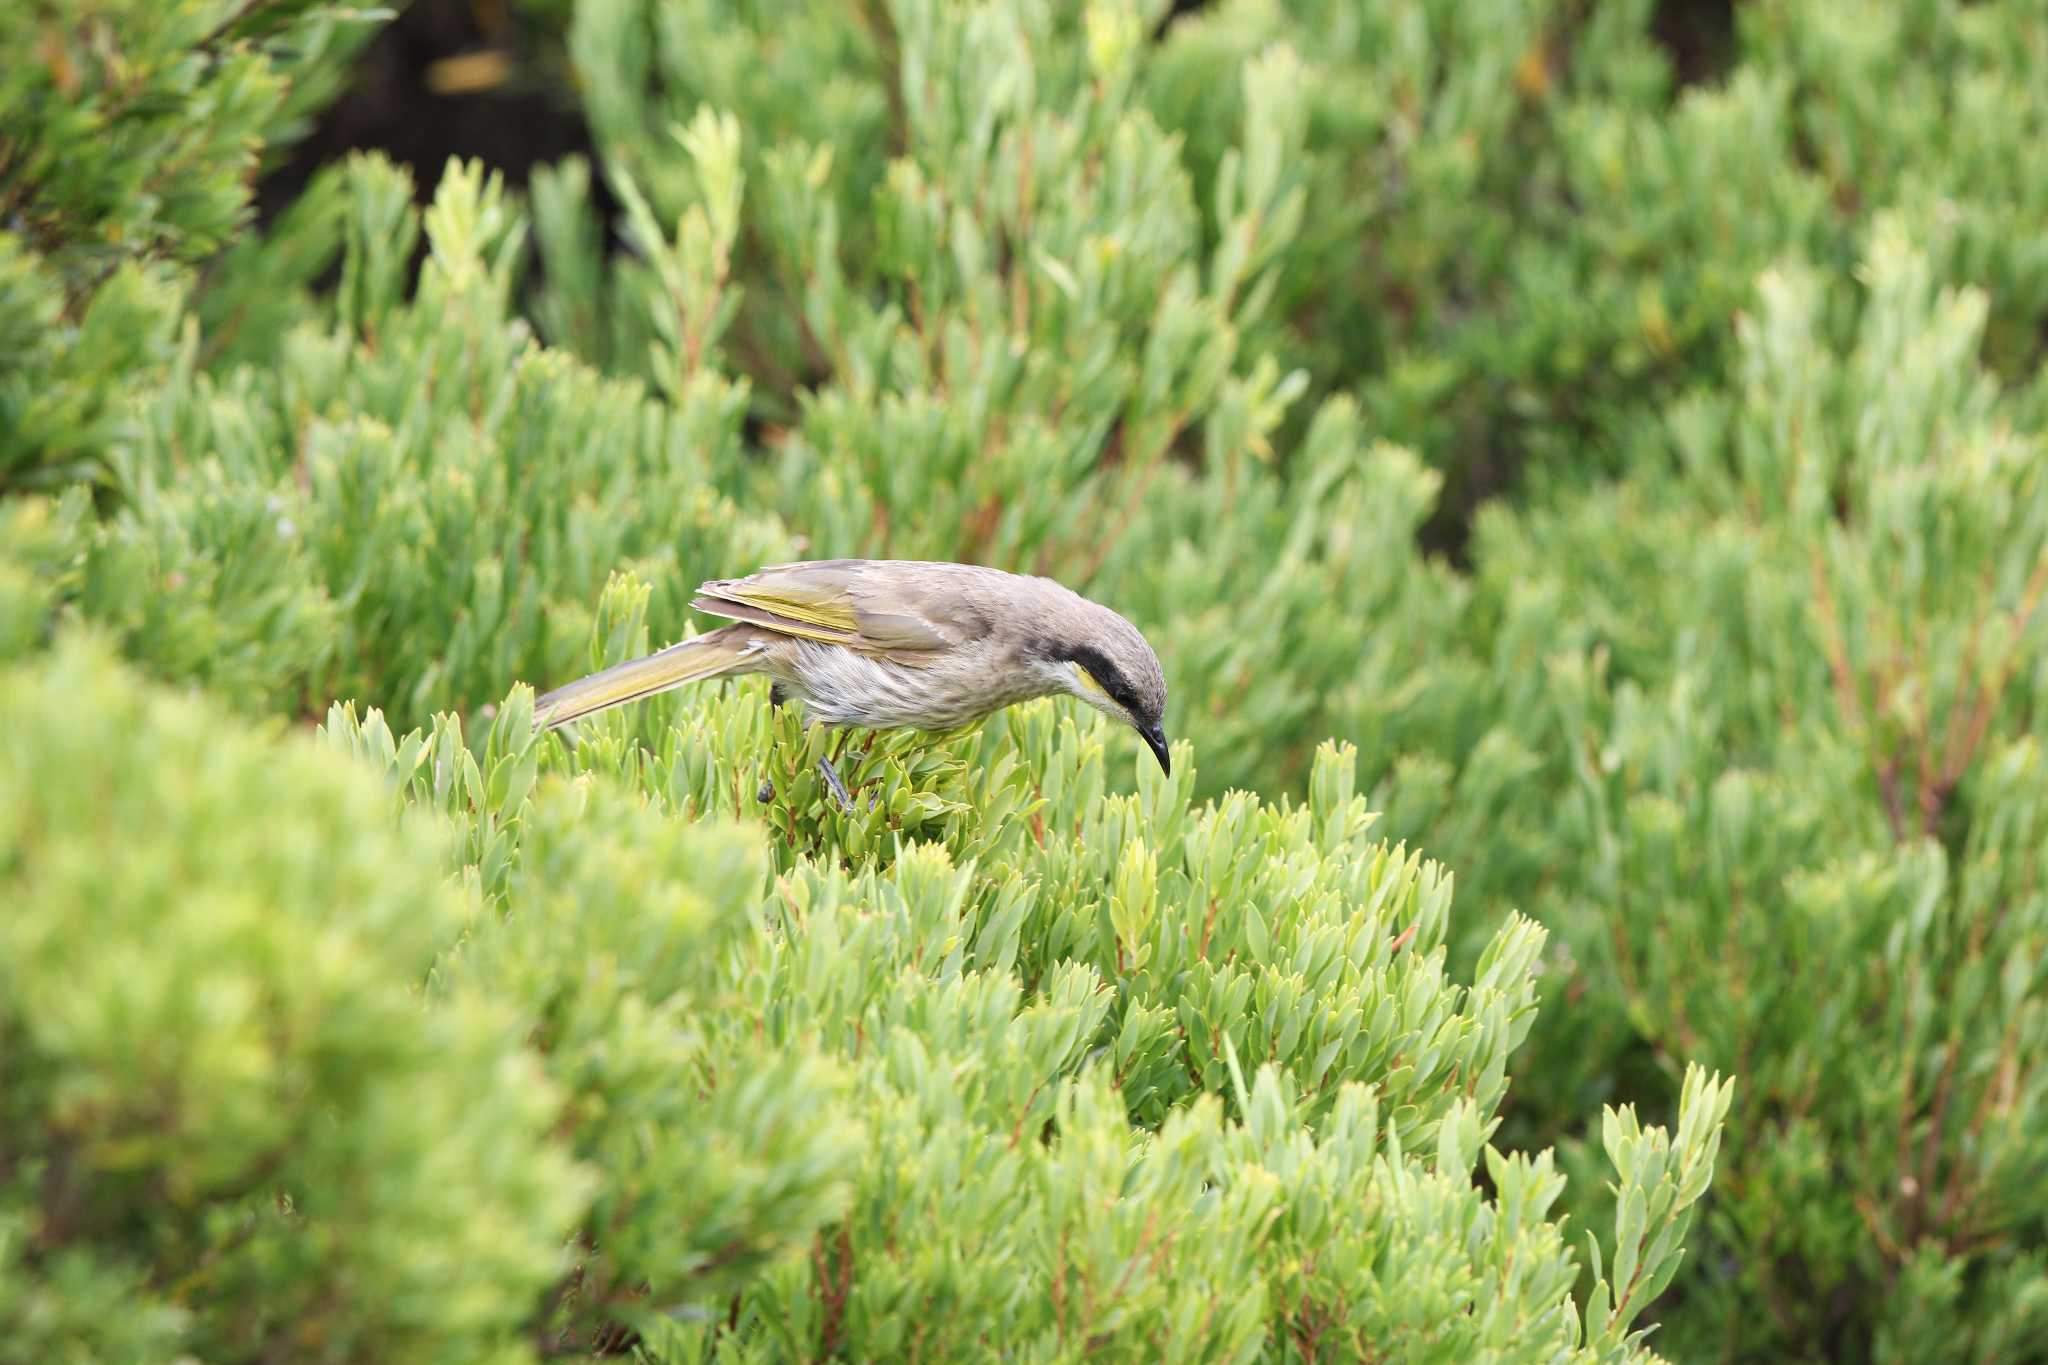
1099, 668
1105, 673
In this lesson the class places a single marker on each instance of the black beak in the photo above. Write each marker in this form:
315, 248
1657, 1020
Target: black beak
1156, 738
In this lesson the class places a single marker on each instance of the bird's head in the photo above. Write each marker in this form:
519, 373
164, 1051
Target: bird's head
1101, 658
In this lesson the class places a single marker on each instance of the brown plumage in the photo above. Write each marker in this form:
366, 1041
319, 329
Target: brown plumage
898, 643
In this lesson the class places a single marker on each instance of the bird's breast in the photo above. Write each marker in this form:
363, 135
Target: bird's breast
847, 687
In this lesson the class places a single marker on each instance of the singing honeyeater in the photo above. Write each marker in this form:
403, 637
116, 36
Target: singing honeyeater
887, 643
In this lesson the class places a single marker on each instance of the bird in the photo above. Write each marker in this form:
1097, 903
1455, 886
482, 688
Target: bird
897, 644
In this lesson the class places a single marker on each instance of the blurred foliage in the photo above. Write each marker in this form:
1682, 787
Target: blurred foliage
1727, 716
132, 128
229, 1128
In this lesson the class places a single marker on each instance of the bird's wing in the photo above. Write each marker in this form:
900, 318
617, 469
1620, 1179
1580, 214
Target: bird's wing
901, 611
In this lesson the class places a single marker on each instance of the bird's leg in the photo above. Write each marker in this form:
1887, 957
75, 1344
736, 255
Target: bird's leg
777, 699
836, 786
833, 783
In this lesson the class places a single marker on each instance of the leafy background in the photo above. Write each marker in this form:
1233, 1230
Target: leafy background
1618, 427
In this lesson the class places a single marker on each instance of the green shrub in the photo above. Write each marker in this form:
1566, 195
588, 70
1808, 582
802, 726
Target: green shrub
230, 1127
1527, 239
1084, 1073
412, 502
132, 128
1212, 315
1725, 723
1779, 798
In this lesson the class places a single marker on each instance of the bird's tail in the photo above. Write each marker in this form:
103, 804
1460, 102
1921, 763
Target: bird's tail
729, 649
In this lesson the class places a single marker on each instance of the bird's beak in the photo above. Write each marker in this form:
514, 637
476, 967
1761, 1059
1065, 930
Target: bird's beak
1156, 738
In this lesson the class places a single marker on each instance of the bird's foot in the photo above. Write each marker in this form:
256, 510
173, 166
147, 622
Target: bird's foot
835, 786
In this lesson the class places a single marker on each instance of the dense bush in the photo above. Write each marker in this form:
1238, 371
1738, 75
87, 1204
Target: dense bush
1529, 240
1809, 820
985, 1104
132, 129
1726, 718
229, 1128
786, 1100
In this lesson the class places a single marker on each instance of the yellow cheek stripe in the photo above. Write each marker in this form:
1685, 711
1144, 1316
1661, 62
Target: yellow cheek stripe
1088, 682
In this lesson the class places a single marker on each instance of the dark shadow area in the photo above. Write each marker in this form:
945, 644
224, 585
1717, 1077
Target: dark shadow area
1174, 12
446, 78
1698, 36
